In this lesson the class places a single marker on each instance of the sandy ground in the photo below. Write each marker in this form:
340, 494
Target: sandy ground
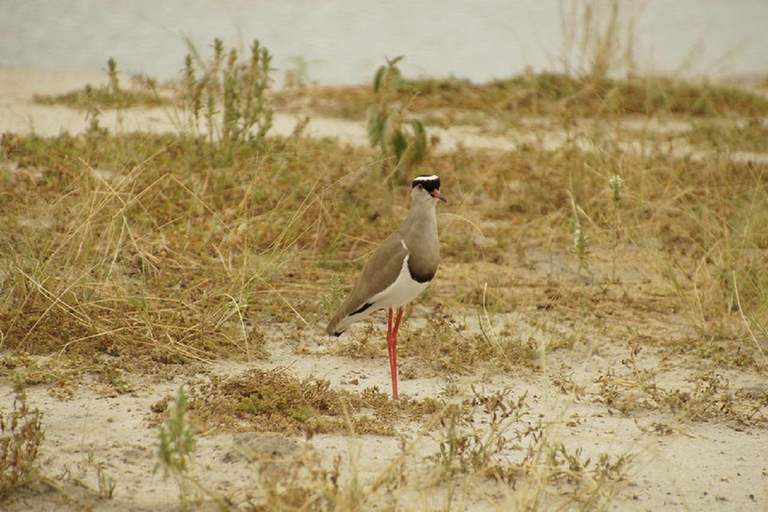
711, 465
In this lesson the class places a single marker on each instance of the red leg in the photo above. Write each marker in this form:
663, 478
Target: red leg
391, 349
395, 329
393, 361
397, 322
389, 336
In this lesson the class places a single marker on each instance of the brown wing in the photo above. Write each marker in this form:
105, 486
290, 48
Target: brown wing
380, 272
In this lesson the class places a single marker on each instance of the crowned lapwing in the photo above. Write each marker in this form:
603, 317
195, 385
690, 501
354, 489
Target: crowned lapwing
398, 271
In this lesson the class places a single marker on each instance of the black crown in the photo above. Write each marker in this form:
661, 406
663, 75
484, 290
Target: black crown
429, 183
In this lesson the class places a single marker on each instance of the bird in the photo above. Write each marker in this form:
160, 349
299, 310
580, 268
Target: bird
398, 270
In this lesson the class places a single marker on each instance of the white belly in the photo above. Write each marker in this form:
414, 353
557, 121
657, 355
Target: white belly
395, 296
401, 292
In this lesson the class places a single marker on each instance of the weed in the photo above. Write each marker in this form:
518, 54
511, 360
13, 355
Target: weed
616, 184
230, 96
176, 445
92, 114
385, 123
113, 87
707, 397
332, 296
580, 246
176, 437
304, 482
479, 451
116, 238
107, 484
20, 437
728, 137
483, 438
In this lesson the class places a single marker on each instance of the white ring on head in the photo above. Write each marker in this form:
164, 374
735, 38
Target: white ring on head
433, 177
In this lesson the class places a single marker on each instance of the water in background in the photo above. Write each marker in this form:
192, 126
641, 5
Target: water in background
344, 41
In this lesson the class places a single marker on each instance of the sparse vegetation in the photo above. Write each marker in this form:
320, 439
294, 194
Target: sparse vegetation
142, 93
125, 255
446, 344
543, 94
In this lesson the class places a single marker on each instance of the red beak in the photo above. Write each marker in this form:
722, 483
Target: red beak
436, 193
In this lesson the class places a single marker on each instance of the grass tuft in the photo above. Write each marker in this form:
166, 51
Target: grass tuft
142, 93
276, 401
20, 437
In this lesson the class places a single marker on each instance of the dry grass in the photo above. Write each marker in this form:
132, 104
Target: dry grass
128, 229
143, 244
143, 92
747, 135
277, 401
452, 101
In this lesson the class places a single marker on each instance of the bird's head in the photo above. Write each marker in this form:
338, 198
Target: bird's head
427, 186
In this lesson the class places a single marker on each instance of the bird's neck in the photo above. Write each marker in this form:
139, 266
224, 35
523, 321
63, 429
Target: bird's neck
422, 216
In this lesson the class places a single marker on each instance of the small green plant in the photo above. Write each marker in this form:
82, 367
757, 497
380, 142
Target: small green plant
386, 122
230, 96
92, 114
616, 184
113, 87
580, 245
333, 295
177, 444
20, 438
176, 437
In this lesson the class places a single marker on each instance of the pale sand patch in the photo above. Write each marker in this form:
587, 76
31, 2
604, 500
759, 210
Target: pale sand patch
697, 466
